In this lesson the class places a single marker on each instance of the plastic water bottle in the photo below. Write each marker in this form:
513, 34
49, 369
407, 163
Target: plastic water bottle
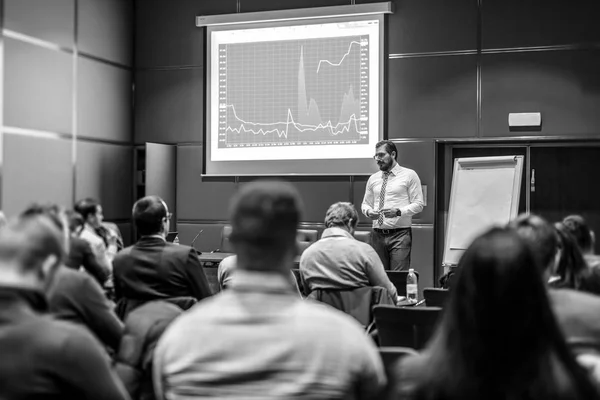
412, 287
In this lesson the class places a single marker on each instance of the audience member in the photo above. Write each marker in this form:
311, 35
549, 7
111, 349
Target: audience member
153, 269
258, 339
576, 312
41, 357
498, 337
571, 266
102, 241
584, 236
338, 261
80, 252
74, 295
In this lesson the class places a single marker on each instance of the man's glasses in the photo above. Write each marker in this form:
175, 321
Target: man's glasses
379, 156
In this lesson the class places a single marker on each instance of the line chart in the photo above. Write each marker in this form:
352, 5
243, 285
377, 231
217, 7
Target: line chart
294, 92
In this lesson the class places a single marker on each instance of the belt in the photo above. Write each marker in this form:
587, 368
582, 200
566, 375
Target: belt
389, 231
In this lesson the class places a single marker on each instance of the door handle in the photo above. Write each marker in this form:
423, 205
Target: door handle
532, 183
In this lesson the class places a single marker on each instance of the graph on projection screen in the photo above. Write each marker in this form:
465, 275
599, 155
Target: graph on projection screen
307, 93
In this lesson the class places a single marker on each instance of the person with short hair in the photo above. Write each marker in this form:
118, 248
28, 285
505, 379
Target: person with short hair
102, 240
74, 295
498, 337
340, 262
392, 197
81, 254
258, 339
41, 357
154, 269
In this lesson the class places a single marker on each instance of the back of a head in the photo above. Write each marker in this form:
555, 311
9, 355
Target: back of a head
541, 236
86, 207
581, 231
27, 242
264, 220
498, 323
75, 220
55, 214
341, 214
148, 213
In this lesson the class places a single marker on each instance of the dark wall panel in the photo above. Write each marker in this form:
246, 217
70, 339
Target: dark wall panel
318, 193
104, 101
126, 232
105, 29
419, 26
37, 87
35, 169
517, 23
49, 20
169, 106
169, 32
198, 198
104, 172
267, 5
421, 257
563, 85
432, 97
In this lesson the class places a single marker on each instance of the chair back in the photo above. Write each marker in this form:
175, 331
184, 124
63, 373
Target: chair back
304, 238
357, 303
391, 357
363, 236
405, 326
398, 279
435, 297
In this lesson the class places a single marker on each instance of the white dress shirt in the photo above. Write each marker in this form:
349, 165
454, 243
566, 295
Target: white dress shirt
403, 191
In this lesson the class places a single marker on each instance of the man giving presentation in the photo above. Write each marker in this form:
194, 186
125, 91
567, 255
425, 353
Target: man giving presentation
393, 195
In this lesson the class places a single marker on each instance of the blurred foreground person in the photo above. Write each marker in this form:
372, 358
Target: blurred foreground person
258, 339
41, 357
498, 338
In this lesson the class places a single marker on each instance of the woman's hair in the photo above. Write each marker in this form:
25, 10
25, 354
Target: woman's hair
571, 265
498, 337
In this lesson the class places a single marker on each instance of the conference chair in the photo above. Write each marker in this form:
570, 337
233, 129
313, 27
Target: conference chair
391, 357
405, 326
398, 279
363, 236
304, 238
435, 297
357, 303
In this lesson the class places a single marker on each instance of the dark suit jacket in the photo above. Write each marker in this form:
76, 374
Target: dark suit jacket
154, 269
75, 296
42, 358
81, 255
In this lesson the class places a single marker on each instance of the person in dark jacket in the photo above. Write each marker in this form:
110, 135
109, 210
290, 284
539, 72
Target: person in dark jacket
143, 327
41, 357
81, 253
153, 269
74, 295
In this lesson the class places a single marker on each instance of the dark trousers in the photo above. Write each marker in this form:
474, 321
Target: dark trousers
393, 248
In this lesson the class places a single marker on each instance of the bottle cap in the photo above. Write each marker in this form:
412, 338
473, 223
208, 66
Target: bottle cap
411, 270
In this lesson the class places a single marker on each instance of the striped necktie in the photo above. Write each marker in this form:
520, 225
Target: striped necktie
382, 196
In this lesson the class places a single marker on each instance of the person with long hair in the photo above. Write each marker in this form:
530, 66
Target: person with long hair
571, 265
498, 338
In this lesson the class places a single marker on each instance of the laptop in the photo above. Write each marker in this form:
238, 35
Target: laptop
171, 236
